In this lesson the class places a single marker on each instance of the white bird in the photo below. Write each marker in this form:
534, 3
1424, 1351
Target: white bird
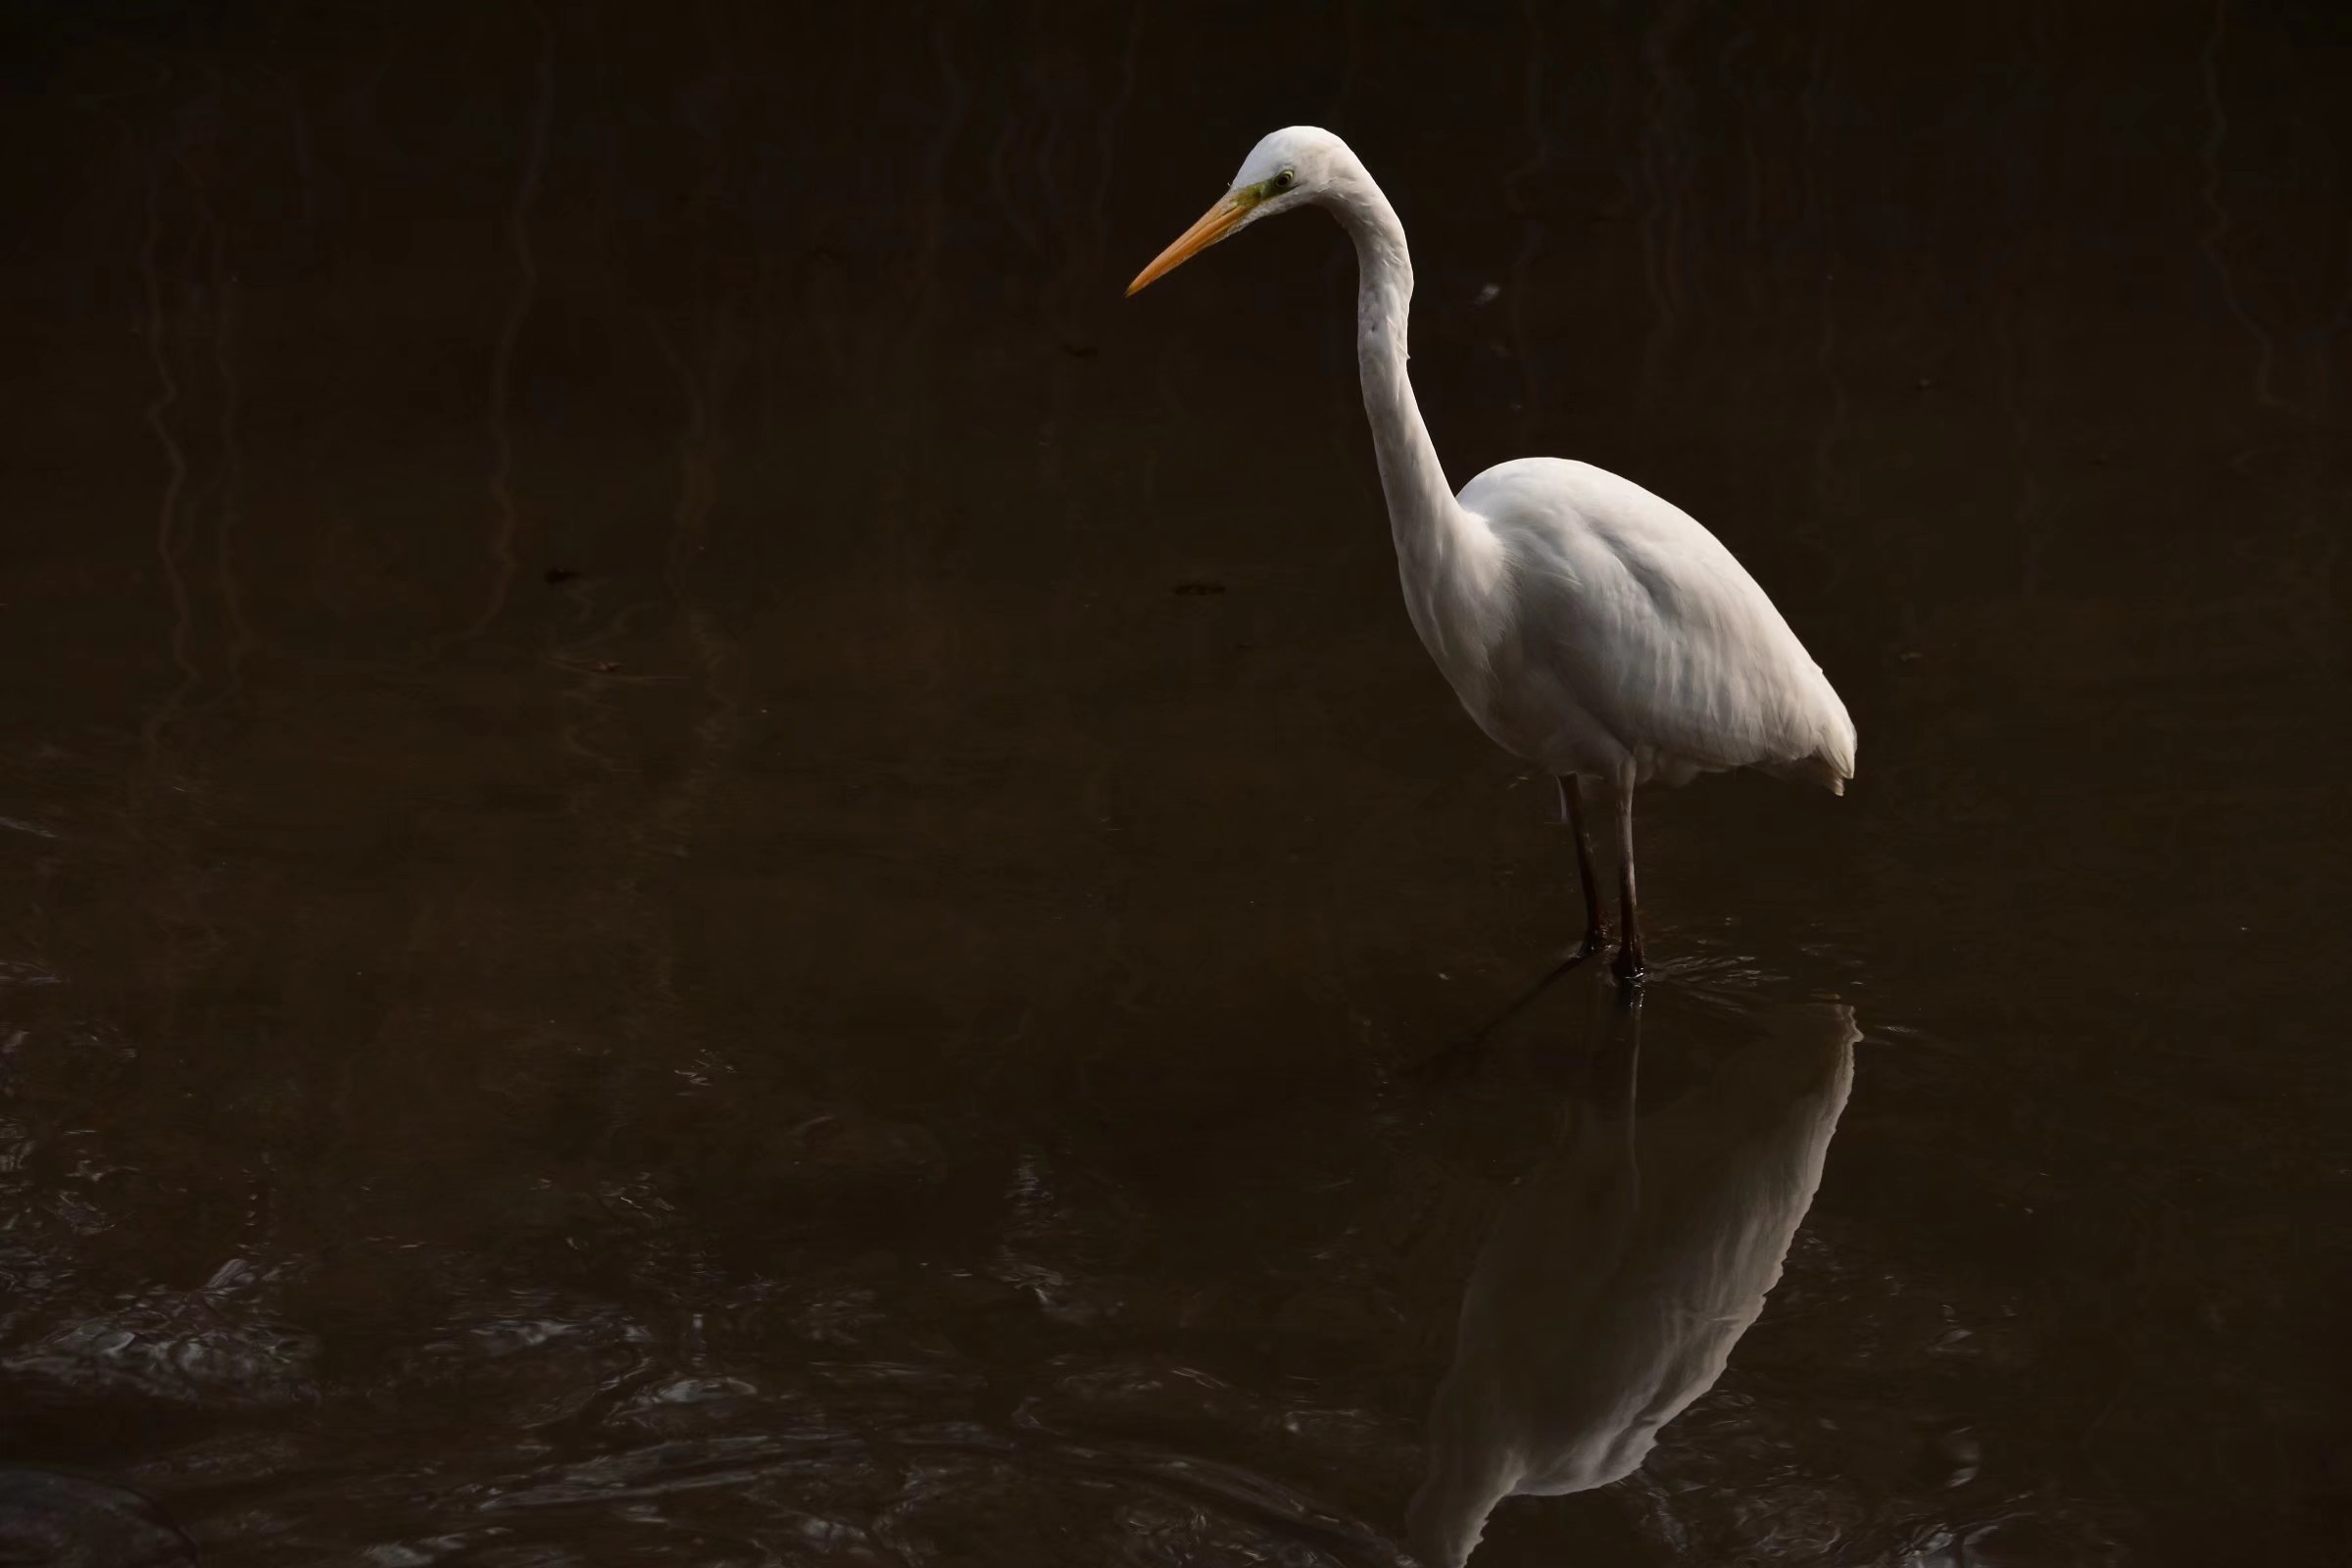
1587, 625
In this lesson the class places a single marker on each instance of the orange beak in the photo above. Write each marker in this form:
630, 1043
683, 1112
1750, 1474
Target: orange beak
1215, 223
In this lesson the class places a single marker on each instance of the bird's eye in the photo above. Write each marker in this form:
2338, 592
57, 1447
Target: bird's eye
1285, 180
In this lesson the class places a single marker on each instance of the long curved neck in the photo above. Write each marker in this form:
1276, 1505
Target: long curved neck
1422, 512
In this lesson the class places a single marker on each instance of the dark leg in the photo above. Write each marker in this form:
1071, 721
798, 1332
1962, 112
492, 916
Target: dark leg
1572, 799
1610, 1071
1628, 953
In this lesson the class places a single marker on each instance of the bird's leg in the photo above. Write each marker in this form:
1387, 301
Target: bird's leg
1629, 951
1572, 805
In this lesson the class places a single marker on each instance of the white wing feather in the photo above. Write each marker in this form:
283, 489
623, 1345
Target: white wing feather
1623, 604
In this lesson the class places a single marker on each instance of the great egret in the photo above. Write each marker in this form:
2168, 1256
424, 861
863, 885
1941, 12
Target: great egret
1587, 625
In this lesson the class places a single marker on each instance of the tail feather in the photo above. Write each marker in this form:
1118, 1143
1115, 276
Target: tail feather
1809, 770
1822, 768
1833, 762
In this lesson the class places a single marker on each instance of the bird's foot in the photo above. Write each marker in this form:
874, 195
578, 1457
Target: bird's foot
1628, 968
1596, 937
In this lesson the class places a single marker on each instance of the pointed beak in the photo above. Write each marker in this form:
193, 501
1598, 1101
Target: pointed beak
1215, 223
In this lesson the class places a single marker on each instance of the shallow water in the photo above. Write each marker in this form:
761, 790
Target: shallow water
707, 863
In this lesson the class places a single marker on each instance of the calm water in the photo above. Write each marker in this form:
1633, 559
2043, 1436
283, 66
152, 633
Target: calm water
706, 863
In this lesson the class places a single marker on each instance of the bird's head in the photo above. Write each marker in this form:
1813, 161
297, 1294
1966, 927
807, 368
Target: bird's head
1301, 166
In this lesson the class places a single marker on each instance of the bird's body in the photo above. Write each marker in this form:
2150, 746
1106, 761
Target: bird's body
1611, 637
1588, 626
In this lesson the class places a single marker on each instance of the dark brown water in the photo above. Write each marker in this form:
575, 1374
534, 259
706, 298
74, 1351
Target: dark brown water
704, 863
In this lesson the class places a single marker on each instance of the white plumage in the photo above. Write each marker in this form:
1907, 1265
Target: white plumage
1588, 626
1634, 646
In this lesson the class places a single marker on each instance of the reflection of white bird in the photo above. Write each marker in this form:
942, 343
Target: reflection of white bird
1587, 626
1615, 1283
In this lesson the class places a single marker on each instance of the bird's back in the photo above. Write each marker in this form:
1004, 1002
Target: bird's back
1633, 642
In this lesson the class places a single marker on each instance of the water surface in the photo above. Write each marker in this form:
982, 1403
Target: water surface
707, 863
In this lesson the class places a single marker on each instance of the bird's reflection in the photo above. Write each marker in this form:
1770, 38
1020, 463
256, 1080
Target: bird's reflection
1617, 1280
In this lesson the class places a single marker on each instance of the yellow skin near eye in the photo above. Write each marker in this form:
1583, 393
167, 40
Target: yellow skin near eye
1264, 188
